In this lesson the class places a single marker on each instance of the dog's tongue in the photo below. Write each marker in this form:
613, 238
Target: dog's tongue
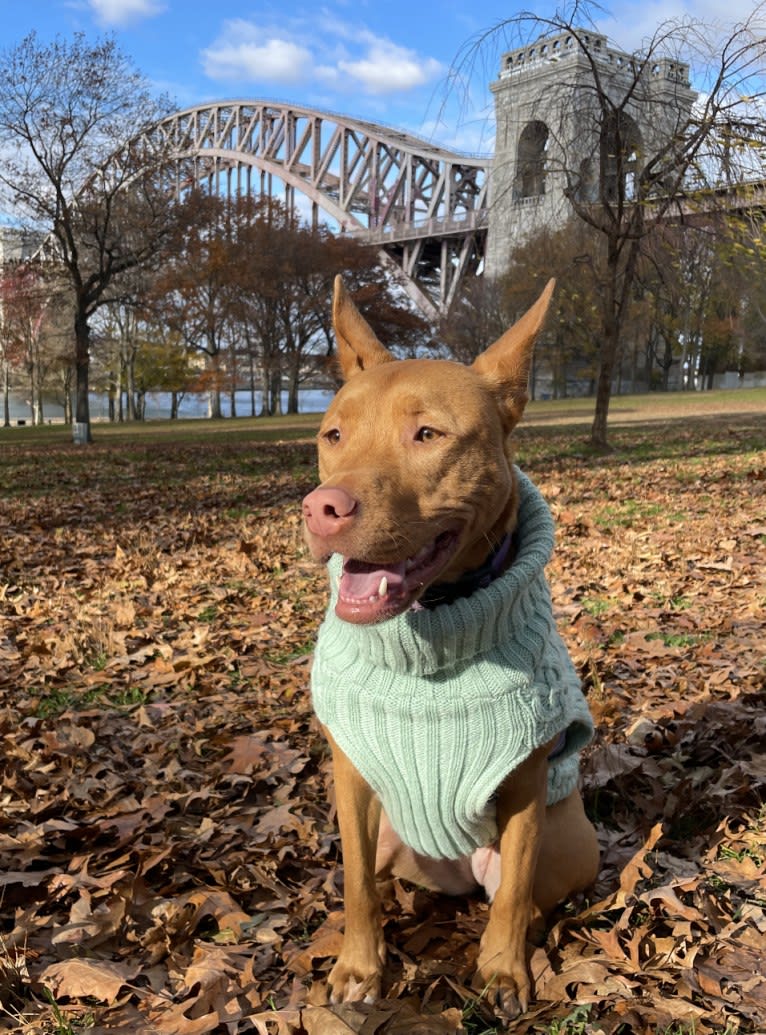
362, 581
371, 592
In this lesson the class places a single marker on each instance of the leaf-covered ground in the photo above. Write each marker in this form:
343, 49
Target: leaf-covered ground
169, 861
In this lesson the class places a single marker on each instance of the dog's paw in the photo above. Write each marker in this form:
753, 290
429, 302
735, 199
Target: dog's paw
357, 977
503, 981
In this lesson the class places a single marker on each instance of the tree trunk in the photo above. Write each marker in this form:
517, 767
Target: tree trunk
6, 396
130, 388
121, 391
634, 366
37, 383
251, 369
275, 394
68, 394
608, 355
621, 273
559, 388
33, 400
32, 371
293, 398
112, 391
214, 410
82, 430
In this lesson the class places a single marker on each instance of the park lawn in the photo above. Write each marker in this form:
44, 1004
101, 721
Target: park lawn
168, 857
624, 409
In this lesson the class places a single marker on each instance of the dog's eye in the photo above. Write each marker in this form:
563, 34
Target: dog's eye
332, 436
426, 434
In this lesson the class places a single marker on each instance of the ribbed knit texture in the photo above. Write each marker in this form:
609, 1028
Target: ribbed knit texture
436, 707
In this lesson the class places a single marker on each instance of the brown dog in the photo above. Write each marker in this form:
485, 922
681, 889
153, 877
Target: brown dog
451, 706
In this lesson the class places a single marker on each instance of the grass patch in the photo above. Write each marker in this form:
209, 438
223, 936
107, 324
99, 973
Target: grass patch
739, 855
241, 429
576, 1023
50, 704
277, 657
650, 406
681, 639
627, 513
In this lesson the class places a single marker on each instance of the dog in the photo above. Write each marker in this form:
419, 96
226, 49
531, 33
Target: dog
450, 704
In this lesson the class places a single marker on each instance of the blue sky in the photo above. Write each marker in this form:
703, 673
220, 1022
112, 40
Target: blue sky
388, 62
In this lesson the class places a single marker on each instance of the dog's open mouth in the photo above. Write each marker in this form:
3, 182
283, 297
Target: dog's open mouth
370, 592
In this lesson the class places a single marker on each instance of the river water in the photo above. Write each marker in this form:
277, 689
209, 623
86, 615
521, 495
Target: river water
158, 406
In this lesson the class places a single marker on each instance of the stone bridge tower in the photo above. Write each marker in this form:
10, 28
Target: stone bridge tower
550, 133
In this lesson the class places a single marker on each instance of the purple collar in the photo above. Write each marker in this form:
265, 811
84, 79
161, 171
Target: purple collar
479, 578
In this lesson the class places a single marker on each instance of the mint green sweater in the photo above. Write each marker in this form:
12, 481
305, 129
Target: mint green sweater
436, 707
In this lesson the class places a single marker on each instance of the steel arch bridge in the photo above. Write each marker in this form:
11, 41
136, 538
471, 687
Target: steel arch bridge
423, 206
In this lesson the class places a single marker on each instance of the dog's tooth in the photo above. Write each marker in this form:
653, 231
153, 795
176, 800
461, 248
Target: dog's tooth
383, 587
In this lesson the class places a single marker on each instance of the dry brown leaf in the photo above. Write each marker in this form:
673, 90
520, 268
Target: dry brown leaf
638, 867
385, 1018
99, 979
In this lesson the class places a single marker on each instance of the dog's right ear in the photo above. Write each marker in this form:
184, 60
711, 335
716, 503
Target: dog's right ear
358, 348
506, 363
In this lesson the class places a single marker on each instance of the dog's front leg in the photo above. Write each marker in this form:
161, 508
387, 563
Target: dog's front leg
502, 966
358, 971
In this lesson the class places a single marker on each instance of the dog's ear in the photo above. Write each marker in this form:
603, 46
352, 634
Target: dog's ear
358, 348
507, 362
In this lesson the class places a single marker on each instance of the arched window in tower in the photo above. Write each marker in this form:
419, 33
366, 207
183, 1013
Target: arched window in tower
531, 154
621, 148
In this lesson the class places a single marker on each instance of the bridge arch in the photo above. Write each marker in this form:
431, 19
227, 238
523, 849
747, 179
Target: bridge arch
423, 206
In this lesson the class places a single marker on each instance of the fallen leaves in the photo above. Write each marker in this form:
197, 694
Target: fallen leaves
168, 854
85, 978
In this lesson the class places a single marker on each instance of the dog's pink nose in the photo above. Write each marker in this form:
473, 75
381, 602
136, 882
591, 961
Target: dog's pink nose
329, 510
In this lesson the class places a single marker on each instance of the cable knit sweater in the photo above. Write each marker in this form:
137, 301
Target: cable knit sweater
436, 707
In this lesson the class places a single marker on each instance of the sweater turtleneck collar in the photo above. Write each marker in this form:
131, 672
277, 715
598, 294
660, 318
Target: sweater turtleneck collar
429, 640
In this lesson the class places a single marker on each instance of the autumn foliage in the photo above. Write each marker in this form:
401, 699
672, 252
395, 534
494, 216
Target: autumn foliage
169, 861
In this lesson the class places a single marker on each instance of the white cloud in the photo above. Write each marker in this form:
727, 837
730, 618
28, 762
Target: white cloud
388, 68
123, 12
244, 52
638, 23
252, 53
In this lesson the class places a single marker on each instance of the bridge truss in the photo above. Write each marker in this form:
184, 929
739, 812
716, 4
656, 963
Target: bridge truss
424, 207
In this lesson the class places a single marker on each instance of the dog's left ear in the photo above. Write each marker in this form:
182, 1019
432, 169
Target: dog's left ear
358, 348
506, 363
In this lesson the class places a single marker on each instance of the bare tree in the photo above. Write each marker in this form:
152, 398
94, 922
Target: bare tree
82, 168
196, 290
480, 314
284, 272
11, 343
31, 304
622, 181
564, 352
